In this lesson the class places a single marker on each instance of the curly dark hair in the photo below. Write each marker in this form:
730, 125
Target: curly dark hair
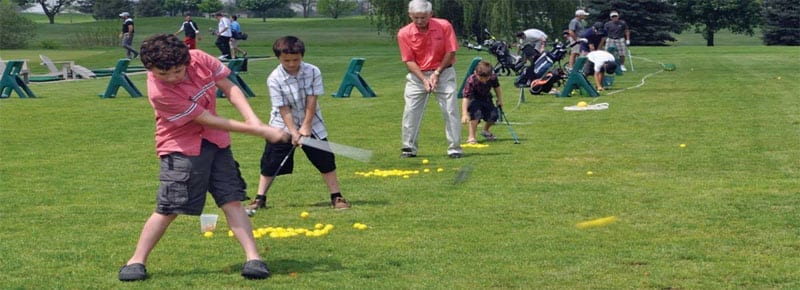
289, 45
164, 51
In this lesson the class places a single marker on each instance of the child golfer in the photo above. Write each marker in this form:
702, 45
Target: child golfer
293, 88
477, 104
193, 144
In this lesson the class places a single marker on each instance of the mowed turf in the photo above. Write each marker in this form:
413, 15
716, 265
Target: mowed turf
78, 175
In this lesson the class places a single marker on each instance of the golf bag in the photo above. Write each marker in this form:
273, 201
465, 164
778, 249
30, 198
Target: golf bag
507, 62
547, 81
539, 70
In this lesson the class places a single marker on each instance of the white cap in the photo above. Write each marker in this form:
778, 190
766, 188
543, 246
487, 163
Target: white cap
124, 14
614, 14
581, 12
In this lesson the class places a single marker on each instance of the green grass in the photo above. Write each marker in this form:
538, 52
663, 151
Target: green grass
78, 176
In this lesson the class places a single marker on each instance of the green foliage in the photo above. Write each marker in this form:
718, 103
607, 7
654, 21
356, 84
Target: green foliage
651, 21
710, 16
210, 6
150, 8
781, 22
336, 8
49, 44
260, 7
110, 9
15, 29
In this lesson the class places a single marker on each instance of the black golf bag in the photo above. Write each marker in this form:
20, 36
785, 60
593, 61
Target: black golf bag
547, 81
506, 61
539, 69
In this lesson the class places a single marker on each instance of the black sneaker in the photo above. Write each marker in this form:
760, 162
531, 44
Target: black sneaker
407, 153
454, 155
255, 269
133, 272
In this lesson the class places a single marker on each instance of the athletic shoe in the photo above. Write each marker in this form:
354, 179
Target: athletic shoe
455, 155
224, 57
406, 153
133, 272
622, 67
255, 269
340, 203
488, 135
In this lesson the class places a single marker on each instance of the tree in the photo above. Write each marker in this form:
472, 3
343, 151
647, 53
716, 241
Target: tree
109, 9
51, 7
150, 8
336, 8
306, 4
210, 6
781, 22
710, 16
650, 21
260, 7
15, 29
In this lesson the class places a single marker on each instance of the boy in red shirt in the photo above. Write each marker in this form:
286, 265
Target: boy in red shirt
193, 144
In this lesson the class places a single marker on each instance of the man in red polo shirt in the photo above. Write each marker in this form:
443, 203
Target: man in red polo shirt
428, 48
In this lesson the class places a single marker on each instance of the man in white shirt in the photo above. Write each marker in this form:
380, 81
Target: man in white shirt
223, 36
599, 63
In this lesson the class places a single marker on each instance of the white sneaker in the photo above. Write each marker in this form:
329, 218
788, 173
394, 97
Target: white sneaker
223, 57
623, 68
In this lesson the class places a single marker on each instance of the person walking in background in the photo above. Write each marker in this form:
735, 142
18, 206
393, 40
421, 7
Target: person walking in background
194, 146
477, 101
236, 32
190, 31
619, 35
575, 31
223, 36
294, 87
428, 48
127, 35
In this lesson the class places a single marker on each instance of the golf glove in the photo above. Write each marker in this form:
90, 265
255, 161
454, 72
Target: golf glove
627, 42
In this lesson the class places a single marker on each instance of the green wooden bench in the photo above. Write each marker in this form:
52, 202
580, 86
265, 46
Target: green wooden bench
352, 78
11, 81
120, 79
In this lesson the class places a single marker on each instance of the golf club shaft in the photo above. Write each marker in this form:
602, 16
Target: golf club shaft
630, 58
280, 166
510, 129
359, 154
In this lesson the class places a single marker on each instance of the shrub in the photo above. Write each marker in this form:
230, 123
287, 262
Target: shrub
15, 30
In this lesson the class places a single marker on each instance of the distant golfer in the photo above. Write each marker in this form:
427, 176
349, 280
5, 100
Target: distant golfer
599, 63
127, 35
619, 35
194, 147
190, 31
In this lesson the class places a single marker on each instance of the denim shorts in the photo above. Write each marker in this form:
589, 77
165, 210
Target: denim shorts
185, 180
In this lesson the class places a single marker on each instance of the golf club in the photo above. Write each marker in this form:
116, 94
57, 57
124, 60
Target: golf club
503, 116
359, 154
630, 58
251, 212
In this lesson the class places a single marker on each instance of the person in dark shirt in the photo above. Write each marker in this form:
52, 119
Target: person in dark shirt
190, 31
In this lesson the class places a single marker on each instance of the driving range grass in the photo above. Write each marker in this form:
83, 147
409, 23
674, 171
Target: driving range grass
78, 175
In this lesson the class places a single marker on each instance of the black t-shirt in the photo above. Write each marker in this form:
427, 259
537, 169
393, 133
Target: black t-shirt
125, 24
189, 28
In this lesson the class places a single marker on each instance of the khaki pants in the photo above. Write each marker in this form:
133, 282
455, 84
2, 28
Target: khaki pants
417, 98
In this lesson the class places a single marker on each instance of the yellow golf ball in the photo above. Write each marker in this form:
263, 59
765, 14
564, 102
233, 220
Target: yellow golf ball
589, 173
426, 170
683, 145
439, 169
304, 214
425, 161
582, 104
208, 234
